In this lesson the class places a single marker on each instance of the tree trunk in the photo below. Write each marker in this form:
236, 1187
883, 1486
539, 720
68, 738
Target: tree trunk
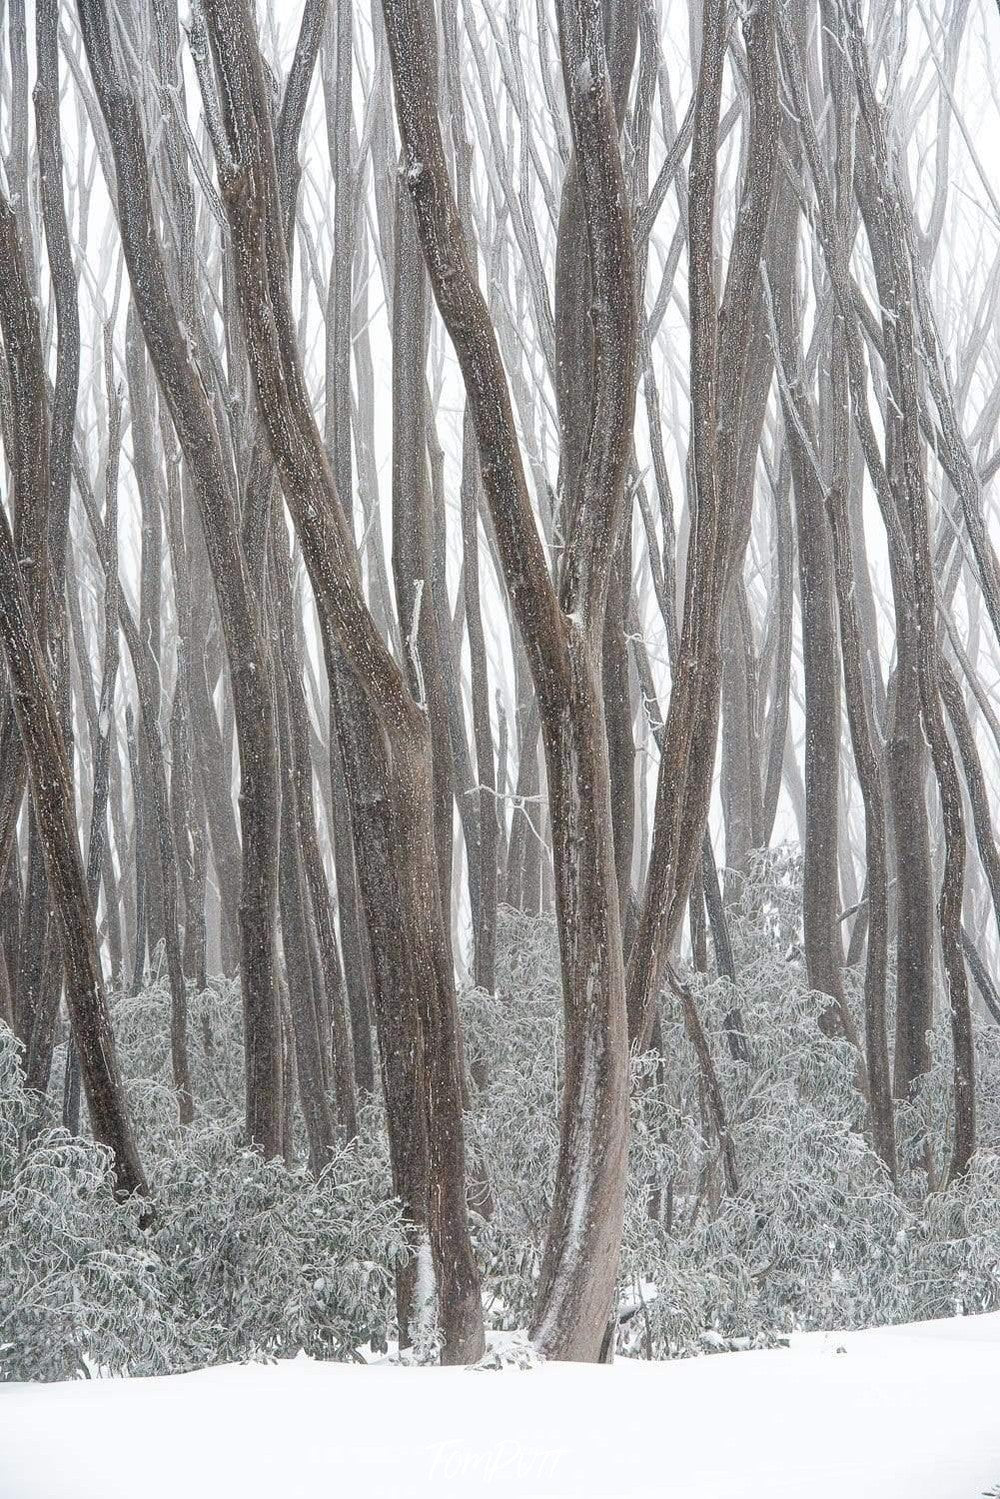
561, 636
250, 194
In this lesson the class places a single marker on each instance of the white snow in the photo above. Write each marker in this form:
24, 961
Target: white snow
424, 1315
896, 1413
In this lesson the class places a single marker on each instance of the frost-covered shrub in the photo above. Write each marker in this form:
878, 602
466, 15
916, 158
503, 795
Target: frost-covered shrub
215, 1055
251, 1259
816, 1236
808, 1240
245, 1259
80, 1287
955, 1250
265, 1262
513, 1043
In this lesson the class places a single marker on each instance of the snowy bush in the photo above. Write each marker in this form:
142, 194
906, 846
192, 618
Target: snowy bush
215, 1054
816, 1236
809, 1238
266, 1262
80, 1287
245, 1259
513, 1046
252, 1259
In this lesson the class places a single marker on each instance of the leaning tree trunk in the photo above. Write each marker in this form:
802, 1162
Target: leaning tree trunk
26, 438
147, 678
341, 336
900, 485
27, 450
245, 159
337, 1032
55, 809
40, 1043
484, 879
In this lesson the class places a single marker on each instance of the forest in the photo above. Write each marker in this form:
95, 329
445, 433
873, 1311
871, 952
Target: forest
500, 679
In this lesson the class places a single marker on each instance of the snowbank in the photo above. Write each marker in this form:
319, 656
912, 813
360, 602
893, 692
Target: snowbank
895, 1413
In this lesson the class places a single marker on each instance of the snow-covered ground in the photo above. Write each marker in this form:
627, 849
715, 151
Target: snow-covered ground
895, 1413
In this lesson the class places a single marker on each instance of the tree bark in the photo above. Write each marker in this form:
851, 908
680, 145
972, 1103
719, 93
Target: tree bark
246, 165
561, 636
52, 795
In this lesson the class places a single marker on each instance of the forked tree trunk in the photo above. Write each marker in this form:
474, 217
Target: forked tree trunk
723, 339
562, 638
881, 210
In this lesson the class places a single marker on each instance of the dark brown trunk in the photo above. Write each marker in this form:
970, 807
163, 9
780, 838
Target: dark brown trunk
250, 193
